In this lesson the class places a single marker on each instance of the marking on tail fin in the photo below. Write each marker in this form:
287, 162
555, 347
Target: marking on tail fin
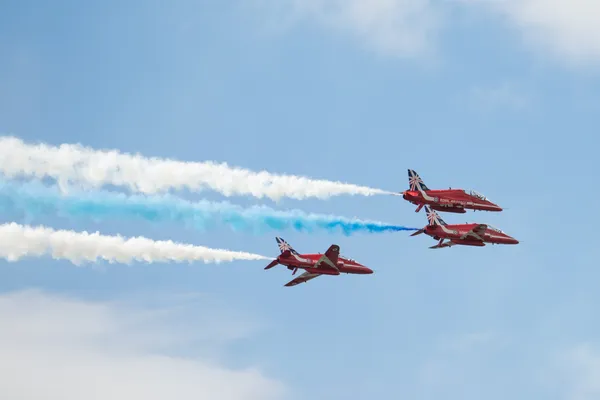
415, 181
433, 218
283, 246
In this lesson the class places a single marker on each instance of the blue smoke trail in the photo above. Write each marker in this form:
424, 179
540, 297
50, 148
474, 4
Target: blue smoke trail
35, 199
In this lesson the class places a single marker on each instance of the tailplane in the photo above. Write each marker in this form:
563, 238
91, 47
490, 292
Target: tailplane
415, 182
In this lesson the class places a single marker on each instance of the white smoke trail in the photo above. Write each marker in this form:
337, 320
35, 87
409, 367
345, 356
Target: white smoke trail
18, 241
76, 164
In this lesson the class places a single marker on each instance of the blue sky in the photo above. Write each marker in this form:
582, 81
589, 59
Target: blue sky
501, 97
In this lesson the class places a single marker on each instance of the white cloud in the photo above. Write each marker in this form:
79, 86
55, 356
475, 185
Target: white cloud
392, 27
568, 29
63, 349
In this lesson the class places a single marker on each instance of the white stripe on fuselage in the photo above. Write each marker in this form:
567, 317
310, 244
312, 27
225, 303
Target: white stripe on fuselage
451, 232
450, 203
497, 237
454, 203
484, 235
302, 259
308, 260
425, 196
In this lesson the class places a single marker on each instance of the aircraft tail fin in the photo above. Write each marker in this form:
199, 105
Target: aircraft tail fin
415, 182
284, 246
433, 218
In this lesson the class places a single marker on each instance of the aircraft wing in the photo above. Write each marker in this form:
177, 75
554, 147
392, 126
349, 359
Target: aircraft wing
305, 277
441, 245
330, 258
475, 233
333, 252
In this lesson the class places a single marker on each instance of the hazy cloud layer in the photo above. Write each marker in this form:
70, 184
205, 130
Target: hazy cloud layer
567, 29
391, 27
63, 349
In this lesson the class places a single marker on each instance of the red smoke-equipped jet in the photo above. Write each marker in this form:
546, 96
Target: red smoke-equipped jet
462, 234
330, 263
448, 200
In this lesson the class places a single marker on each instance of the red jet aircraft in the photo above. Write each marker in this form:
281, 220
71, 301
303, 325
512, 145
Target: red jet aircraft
330, 263
462, 234
449, 200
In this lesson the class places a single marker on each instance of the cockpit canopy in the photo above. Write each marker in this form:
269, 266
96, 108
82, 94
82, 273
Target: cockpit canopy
347, 258
475, 193
494, 229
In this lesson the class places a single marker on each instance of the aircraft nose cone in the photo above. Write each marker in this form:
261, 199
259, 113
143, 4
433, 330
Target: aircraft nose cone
368, 270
